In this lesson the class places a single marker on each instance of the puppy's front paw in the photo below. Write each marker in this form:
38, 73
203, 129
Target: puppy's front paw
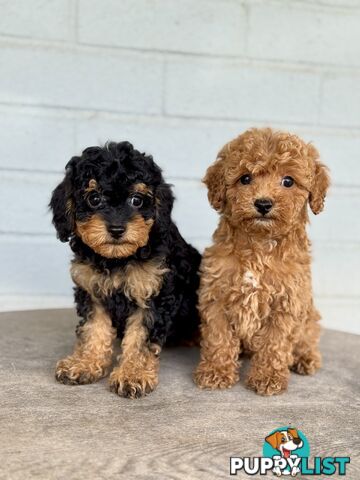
268, 384
132, 384
208, 376
75, 370
307, 364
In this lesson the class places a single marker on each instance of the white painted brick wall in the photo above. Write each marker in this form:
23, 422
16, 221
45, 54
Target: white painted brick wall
80, 78
202, 26
324, 35
228, 89
50, 19
341, 99
178, 78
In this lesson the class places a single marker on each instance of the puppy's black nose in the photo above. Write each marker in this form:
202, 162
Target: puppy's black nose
116, 230
297, 441
263, 205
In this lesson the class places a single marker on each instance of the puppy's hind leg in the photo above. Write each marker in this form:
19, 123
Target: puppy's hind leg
307, 357
220, 349
93, 352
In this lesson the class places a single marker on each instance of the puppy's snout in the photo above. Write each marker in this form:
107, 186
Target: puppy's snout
297, 441
116, 230
263, 205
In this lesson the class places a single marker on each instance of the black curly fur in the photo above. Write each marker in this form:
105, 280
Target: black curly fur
116, 167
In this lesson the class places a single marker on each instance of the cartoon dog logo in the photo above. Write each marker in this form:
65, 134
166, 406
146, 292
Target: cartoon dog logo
286, 442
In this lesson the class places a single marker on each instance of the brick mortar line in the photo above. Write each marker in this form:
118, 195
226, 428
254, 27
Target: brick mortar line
320, 6
320, 96
314, 125
348, 189
164, 87
76, 21
52, 236
40, 110
338, 297
275, 64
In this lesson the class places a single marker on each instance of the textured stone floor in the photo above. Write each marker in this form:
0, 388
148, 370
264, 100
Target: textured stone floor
51, 431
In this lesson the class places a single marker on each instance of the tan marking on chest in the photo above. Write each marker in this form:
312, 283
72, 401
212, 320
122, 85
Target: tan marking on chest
138, 281
93, 282
143, 280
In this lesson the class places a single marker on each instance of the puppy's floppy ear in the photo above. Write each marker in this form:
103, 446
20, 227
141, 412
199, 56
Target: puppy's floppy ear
273, 439
62, 206
320, 184
215, 182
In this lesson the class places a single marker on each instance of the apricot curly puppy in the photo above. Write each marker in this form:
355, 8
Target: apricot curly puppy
255, 291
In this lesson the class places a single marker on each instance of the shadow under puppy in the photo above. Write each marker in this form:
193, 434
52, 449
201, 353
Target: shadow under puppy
255, 290
136, 277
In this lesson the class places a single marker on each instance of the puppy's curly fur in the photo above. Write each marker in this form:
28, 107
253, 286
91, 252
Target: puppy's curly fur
135, 276
255, 291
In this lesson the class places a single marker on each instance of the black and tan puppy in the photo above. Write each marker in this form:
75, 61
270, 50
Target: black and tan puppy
135, 276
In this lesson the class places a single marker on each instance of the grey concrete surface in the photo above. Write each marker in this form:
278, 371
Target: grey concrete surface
51, 431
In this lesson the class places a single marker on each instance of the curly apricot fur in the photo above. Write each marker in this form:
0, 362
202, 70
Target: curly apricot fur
255, 291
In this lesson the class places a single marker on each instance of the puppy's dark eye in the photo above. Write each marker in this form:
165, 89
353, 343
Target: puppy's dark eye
136, 201
94, 199
245, 179
287, 182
